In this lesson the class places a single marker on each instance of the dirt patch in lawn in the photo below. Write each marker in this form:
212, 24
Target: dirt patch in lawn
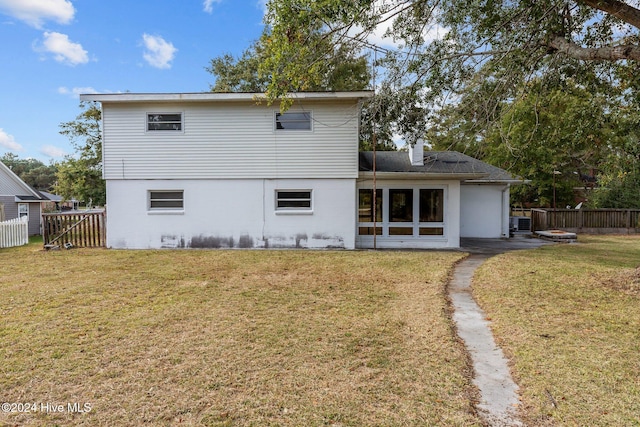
627, 281
220, 338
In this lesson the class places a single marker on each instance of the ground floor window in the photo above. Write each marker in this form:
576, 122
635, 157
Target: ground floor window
296, 200
402, 212
23, 210
166, 199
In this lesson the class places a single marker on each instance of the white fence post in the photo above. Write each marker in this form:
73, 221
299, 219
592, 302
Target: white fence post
14, 232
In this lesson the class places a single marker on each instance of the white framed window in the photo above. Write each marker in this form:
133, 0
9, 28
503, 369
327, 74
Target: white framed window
23, 210
293, 121
164, 122
294, 200
166, 200
403, 212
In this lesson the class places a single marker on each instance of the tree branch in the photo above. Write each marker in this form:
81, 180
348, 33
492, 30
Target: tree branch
620, 10
609, 53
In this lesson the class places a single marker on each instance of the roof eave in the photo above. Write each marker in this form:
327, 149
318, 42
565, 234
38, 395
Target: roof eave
497, 181
217, 96
421, 175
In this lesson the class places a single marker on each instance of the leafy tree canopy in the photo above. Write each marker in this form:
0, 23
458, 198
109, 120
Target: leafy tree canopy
80, 176
341, 68
443, 49
530, 86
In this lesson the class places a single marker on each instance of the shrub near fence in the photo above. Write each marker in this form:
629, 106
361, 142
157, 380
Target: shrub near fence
591, 221
80, 229
14, 232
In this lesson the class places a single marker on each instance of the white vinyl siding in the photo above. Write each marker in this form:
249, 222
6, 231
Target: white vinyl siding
221, 140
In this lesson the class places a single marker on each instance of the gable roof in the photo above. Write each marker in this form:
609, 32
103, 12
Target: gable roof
12, 185
437, 165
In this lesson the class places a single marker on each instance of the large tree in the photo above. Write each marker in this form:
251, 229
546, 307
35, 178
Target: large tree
335, 67
443, 48
584, 132
80, 176
484, 75
341, 68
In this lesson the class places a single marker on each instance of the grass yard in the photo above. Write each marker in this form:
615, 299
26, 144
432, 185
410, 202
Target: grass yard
569, 318
221, 338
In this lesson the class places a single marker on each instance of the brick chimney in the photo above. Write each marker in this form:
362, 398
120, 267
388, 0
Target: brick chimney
416, 153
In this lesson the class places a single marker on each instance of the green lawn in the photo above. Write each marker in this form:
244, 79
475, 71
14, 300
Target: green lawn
218, 338
569, 318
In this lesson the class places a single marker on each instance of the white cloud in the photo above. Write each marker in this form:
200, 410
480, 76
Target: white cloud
262, 5
208, 5
63, 49
159, 53
35, 12
7, 141
51, 151
76, 91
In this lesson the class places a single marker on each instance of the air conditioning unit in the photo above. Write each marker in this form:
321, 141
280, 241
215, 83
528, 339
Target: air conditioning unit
520, 223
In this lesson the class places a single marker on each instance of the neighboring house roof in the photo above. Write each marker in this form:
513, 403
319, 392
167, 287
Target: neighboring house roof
437, 165
29, 199
217, 96
11, 184
50, 196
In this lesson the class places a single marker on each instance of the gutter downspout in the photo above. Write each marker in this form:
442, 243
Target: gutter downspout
505, 208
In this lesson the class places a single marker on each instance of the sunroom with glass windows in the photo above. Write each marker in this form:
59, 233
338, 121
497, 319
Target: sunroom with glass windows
407, 214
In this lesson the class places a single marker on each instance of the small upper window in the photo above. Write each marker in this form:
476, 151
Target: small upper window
293, 199
171, 121
293, 121
169, 199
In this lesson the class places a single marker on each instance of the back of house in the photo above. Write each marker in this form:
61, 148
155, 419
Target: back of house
210, 170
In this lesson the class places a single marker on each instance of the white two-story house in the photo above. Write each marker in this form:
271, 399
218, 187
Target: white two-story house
211, 170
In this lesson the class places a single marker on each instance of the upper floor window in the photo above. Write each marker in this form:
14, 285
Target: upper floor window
168, 121
293, 121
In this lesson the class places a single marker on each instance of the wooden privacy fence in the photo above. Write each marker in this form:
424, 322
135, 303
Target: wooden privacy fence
590, 221
14, 232
80, 229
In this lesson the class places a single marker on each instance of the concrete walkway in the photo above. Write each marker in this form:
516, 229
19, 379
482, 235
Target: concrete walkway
498, 392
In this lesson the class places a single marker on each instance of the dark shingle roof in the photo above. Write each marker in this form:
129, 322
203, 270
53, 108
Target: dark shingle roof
436, 163
28, 198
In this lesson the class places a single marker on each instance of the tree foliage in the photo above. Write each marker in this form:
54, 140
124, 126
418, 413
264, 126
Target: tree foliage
339, 69
578, 132
336, 68
80, 176
446, 48
32, 171
530, 86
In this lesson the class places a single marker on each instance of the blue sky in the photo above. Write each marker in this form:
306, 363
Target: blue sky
55, 49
